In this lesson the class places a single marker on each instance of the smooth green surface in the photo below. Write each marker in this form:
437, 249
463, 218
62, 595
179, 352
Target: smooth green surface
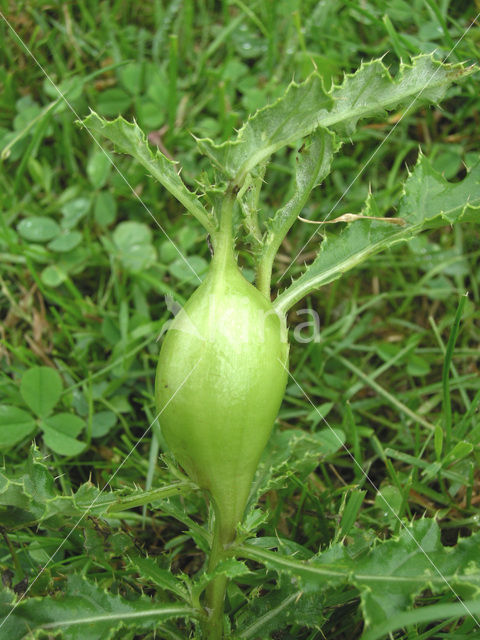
220, 380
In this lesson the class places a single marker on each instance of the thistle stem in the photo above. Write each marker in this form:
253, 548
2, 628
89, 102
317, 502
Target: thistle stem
223, 239
215, 592
264, 273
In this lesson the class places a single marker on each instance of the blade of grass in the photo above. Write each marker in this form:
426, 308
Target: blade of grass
447, 403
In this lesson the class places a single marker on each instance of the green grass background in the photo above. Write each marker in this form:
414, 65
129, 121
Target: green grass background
86, 295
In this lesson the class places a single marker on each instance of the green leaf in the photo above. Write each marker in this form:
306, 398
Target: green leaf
415, 561
23, 500
105, 208
248, 198
389, 575
350, 512
15, 425
230, 568
389, 501
66, 423
87, 612
31, 498
98, 168
102, 422
131, 76
278, 609
183, 272
291, 117
417, 366
62, 444
120, 501
428, 201
293, 452
38, 229
313, 164
432, 613
41, 388
53, 275
113, 101
133, 241
128, 138
65, 242
305, 107
60, 431
75, 210
372, 90
25, 122
149, 570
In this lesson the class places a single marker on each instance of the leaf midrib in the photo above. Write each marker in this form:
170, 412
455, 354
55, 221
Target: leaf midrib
333, 117
330, 571
130, 615
295, 293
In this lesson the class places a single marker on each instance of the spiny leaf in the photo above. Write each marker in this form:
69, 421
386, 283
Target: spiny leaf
305, 107
150, 571
428, 201
432, 613
128, 138
282, 606
372, 90
293, 452
398, 570
31, 497
389, 575
248, 199
230, 568
86, 612
313, 164
285, 121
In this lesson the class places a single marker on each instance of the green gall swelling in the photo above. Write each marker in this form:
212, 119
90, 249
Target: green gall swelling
221, 377
223, 366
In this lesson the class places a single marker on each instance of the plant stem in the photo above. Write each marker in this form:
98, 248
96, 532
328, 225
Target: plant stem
264, 273
146, 497
447, 403
223, 239
225, 520
215, 592
11, 548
